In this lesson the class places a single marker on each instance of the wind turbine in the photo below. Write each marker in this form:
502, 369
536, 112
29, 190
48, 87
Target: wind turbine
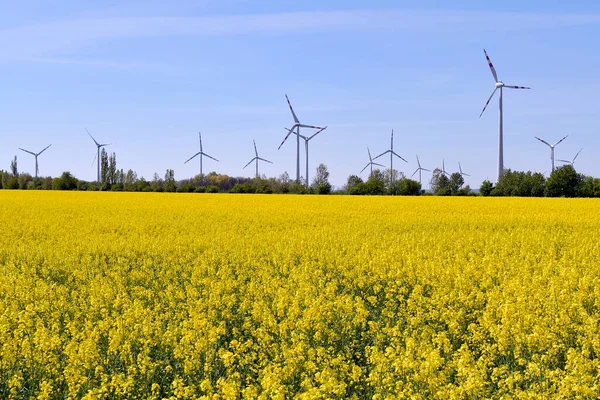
552, 146
99, 146
201, 154
572, 162
36, 158
419, 170
499, 85
444, 169
392, 154
461, 171
257, 158
297, 125
371, 163
306, 140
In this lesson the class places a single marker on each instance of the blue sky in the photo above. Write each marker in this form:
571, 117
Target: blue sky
148, 75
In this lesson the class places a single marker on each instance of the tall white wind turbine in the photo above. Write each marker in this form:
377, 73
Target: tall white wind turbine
201, 154
257, 158
297, 125
392, 154
306, 140
552, 146
419, 169
371, 163
572, 162
499, 85
36, 158
98, 147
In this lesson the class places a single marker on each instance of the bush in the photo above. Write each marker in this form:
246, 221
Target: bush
212, 189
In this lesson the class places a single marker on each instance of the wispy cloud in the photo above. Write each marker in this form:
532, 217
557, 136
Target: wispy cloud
47, 40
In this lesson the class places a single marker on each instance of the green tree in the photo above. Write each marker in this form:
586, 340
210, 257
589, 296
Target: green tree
66, 182
486, 188
563, 182
13, 167
321, 180
170, 185
440, 183
456, 183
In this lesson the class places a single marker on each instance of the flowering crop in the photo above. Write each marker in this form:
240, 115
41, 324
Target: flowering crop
148, 296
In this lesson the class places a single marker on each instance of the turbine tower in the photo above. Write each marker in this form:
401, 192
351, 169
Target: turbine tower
201, 154
461, 171
572, 162
99, 146
297, 125
306, 140
257, 158
552, 146
36, 158
392, 154
419, 169
499, 85
371, 163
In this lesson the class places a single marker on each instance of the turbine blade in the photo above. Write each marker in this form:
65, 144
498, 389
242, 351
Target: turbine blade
491, 65
255, 151
27, 151
543, 141
379, 165
577, 155
561, 140
200, 137
516, 87
425, 169
249, 162
204, 154
195, 155
262, 159
95, 155
418, 162
88, 132
369, 151
399, 156
364, 168
315, 134
286, 136
385, 152
565, 161
292, 109
44, 149
488, 102
310, 126
417, 170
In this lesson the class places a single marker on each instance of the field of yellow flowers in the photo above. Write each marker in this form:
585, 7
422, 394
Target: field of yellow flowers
152, 295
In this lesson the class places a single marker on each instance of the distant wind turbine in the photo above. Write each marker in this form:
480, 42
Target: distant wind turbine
297, 125
552, 146
419, 169
257, 158
36, 158
392, 154
201, 154
461, 171
572, 162
98, 146
499, 85
306, 140
371, 163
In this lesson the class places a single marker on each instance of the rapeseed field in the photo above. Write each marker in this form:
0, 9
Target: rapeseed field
152, 295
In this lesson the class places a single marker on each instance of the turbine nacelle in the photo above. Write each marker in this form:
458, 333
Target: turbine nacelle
499, 84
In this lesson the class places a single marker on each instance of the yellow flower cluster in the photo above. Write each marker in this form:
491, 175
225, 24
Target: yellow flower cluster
151, 296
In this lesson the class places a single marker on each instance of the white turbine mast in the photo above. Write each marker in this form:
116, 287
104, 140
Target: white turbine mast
572, 162
201, 153
499, 85
257, 159
36, 157
552, 146
297, 125
419, 169
371, 163
392, 154
98, 147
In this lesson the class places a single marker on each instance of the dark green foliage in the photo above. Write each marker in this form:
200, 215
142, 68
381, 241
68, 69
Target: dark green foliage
519, 183
65, 182
563, 182
486, 188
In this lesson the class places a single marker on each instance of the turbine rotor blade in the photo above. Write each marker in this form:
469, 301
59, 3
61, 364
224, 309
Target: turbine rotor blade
565, 161
366, 166
292, 109
310, 126
369, 151
27, 151
516, 87
488, 102
385, 152
315, 134
96, 155
543, 141
577, 155
399, 156
425, 169
417, 170
255, 151
491, 65
379, 165
561, 140
195, 155
286, 136
88, 132
262, 159
204, 154
44, 149
249, 162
